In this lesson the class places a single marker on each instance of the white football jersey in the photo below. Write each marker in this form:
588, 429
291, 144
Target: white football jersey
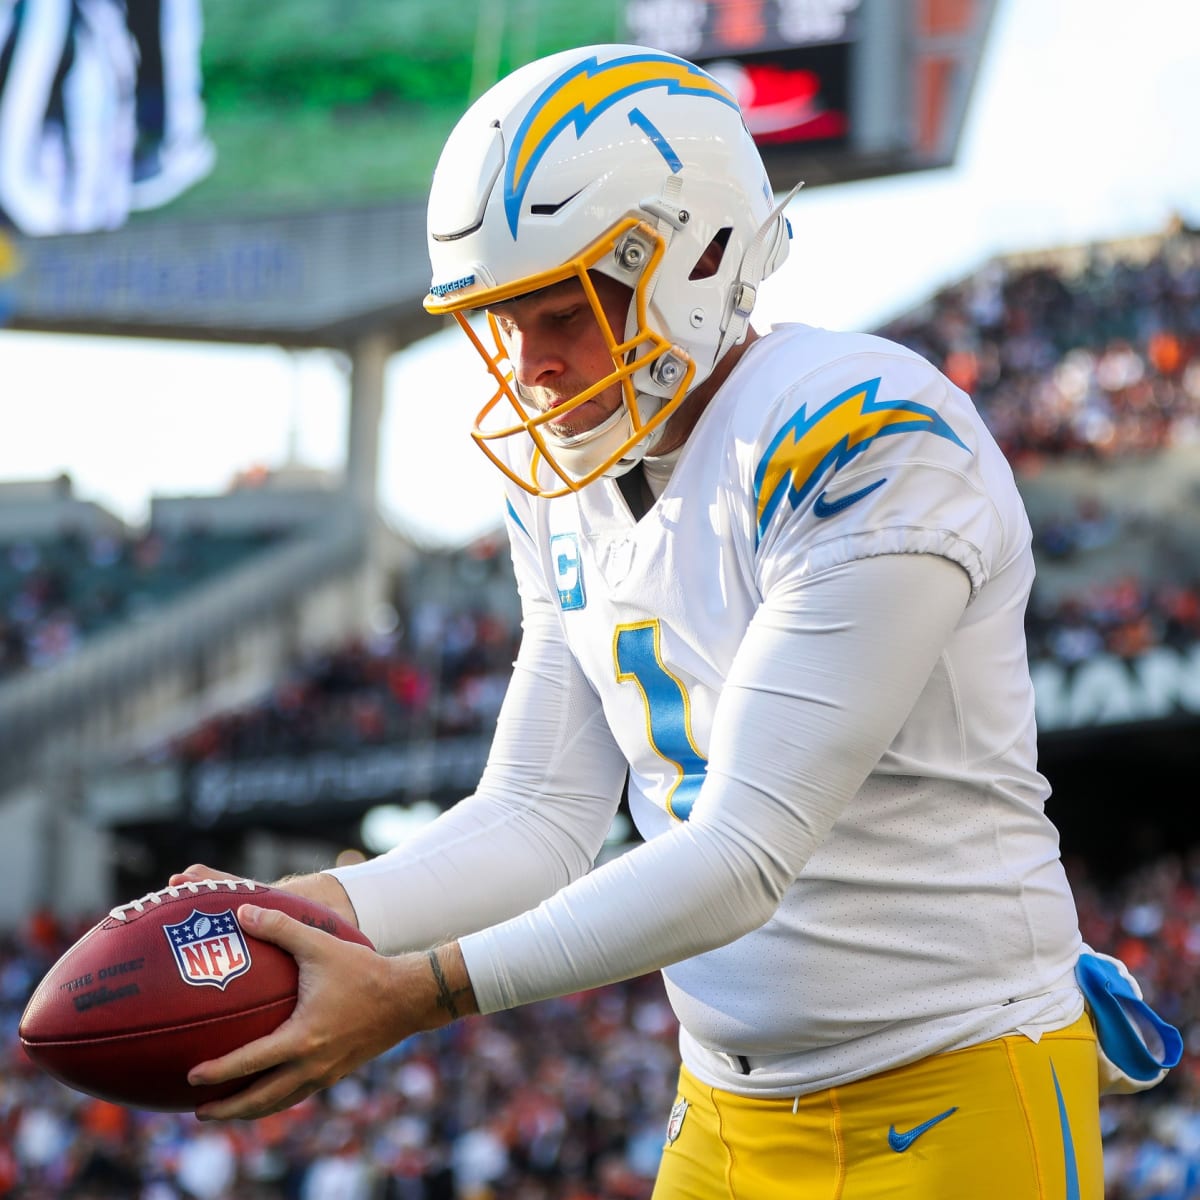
935, 913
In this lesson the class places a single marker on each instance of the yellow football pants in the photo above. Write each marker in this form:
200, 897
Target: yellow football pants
1005, 1120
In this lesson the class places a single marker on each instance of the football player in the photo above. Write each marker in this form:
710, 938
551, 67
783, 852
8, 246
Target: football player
775, 583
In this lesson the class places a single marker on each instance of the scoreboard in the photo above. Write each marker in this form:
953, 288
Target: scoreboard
786, 61
833, 89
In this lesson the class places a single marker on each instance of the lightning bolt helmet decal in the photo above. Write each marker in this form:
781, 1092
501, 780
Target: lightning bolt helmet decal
582, 94
808, 448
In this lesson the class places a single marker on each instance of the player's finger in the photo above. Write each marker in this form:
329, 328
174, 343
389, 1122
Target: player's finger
271, 1094
286, 932
264, 1054
197, 873
304, 942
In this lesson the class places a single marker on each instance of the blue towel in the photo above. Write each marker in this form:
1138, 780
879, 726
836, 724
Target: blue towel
1134, 1040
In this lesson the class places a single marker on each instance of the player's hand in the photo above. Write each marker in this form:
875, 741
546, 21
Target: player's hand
325, 889
352, 1005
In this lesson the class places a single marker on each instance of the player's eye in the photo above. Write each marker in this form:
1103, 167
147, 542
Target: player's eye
564, 316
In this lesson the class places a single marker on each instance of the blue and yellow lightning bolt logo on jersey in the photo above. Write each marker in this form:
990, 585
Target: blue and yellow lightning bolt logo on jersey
580, 95
810, 448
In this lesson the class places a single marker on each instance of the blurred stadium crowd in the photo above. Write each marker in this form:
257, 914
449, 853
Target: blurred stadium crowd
57, 591
1102, 360
567, 1100
445, 675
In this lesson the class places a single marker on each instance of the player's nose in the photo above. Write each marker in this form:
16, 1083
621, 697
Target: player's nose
536, 362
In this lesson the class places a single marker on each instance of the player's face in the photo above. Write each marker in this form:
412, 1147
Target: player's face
557, 348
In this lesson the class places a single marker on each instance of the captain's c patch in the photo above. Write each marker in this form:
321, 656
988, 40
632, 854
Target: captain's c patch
568, 571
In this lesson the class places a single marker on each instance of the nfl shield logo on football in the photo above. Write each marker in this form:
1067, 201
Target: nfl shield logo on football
209, 948
675, 1120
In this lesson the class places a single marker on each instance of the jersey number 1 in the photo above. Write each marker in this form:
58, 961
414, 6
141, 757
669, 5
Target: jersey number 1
638, 654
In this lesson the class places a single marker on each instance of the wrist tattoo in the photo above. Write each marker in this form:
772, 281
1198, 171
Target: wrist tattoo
447, 997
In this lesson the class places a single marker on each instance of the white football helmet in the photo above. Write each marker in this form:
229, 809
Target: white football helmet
614, 159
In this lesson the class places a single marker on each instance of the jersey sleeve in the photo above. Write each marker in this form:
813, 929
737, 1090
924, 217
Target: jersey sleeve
873, 453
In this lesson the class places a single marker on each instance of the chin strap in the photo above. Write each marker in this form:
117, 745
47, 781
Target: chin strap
767, 251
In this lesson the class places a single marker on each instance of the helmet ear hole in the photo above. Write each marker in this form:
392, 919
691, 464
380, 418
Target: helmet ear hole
709, 263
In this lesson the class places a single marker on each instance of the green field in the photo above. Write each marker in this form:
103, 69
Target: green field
330, 102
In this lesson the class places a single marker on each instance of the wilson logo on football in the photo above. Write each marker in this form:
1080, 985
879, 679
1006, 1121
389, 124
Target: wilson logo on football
209, 948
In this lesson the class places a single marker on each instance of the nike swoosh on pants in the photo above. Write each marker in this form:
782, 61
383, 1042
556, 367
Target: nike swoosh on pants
901, 1141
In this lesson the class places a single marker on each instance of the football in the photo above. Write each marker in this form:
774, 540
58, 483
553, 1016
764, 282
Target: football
162, 983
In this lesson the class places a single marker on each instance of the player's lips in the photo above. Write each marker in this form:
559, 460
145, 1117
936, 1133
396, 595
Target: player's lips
577, 420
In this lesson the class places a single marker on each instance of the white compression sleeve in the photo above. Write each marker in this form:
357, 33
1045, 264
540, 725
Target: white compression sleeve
795, 735
536, 821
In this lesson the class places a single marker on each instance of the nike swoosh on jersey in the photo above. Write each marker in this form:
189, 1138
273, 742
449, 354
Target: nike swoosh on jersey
829, 508
901, 1141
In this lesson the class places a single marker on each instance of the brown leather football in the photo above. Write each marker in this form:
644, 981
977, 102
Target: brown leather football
163, 983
